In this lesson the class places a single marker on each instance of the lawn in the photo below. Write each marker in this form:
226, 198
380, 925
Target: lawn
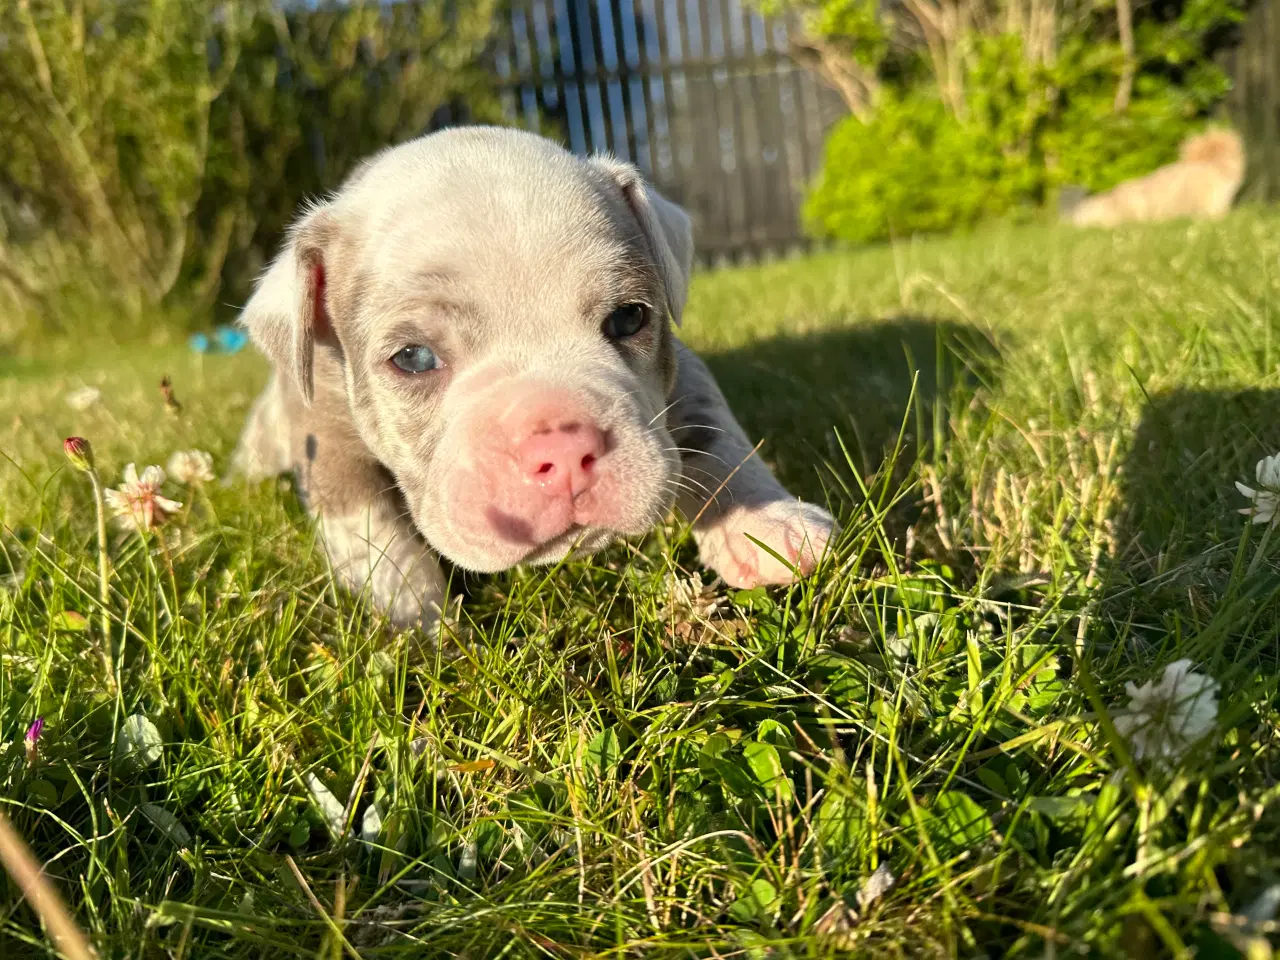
1031, 437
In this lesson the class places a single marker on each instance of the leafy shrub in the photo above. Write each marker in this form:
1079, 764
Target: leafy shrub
103, 110
914, 168
996, 128
1087, 142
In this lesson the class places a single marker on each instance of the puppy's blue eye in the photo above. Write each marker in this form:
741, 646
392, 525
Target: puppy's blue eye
416, 359
626, 321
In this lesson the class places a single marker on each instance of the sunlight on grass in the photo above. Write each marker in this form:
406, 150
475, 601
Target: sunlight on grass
1031, 437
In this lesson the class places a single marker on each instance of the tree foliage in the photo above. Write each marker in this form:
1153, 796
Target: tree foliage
155, 149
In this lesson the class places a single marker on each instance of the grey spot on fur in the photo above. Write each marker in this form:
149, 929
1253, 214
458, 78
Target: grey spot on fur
690, 424
693, 439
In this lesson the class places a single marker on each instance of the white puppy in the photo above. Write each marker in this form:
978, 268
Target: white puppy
474, 357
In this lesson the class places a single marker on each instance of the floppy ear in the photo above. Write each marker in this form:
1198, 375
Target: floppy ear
288, 313
665, 224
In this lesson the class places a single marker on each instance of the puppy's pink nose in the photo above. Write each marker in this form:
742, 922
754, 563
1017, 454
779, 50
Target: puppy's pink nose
562, 453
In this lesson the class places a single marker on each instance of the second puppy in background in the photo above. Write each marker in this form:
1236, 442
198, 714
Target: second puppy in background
1201, 185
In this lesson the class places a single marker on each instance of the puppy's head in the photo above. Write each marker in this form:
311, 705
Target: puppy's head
498, 314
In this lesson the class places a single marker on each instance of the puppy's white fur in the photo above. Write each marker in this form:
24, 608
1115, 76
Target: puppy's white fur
504, 253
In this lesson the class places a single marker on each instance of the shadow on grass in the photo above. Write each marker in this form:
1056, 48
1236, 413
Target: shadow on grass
1178, 481
1178, 578
798, 391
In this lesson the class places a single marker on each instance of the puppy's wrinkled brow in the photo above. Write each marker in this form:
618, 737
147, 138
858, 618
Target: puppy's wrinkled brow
435, 276
402, 335
421, 285
627, 281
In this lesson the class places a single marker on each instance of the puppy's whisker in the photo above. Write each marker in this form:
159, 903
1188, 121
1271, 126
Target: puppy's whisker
698, 426
715, 478
665, 410
723, 496
697, 451
688, 479
678, 485
701, 453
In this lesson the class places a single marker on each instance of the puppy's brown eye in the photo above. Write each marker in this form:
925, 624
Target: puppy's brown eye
626, 321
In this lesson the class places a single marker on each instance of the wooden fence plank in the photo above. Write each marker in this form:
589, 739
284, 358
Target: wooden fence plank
1254, 102
699, 94
702, 96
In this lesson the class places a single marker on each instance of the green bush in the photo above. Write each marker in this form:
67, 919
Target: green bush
1087, 143
1011, 128
103, 115
914, 168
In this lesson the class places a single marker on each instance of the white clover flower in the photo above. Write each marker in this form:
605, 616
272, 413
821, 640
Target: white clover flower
1268, 472
1266, 499
330, 809
1164, 719
371, 824
137, 502
83, 398
689, 599
877, 885
191, 467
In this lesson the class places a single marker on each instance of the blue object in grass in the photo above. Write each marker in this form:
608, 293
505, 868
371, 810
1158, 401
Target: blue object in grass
225, 339
230, 339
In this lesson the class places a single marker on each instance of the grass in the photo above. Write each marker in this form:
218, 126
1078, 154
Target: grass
1031, 436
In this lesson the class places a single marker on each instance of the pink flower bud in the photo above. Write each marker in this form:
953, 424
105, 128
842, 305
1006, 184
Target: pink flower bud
33, 737
79, 453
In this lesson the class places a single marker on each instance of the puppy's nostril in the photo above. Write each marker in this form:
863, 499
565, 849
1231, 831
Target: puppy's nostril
546, 469
588, 462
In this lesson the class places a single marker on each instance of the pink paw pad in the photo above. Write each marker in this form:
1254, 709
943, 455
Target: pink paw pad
796, 532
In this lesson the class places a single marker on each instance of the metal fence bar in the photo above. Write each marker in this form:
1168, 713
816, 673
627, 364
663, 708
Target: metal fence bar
699, 94
703, 97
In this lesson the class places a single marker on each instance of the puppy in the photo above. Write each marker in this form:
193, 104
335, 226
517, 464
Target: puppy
1201, 185
474, 358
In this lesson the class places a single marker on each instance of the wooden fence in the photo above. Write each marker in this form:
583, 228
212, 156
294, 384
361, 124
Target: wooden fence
699, 94
1255, 98
703, 97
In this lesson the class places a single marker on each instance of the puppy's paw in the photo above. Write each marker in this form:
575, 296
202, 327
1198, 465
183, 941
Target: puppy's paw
399, 573
411, 598
796, 531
